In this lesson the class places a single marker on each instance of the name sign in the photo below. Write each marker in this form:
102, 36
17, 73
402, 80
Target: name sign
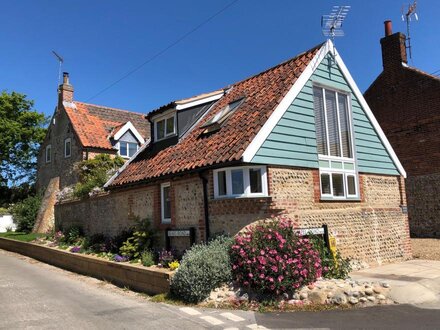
179, 233
309, 231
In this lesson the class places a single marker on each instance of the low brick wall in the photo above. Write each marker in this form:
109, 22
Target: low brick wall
134, 277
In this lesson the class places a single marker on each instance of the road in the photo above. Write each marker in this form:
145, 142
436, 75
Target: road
39, 296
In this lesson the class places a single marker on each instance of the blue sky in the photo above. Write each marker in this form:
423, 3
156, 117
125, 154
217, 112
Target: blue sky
103, 40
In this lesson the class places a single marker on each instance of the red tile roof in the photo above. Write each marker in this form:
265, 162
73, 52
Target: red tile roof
94, 124
262, 92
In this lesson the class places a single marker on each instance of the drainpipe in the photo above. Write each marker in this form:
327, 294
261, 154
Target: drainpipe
205, 204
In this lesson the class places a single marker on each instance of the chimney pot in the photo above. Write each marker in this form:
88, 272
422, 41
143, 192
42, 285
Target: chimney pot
388, 28
66, 78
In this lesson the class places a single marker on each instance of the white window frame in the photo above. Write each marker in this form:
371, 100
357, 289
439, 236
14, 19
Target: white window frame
127, 156
343, 160
68, 140
162, 204
246, 182
165, 118
48, 153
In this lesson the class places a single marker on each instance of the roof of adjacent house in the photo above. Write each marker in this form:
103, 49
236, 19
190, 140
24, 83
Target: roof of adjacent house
262, 93
95, 124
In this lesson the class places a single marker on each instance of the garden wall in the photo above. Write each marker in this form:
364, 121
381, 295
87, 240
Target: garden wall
125, 275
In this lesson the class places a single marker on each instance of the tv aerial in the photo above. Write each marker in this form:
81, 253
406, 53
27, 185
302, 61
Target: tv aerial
407, 17
331, 24
61, 61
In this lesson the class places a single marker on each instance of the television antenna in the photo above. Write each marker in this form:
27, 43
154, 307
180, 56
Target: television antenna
61, 61
407, 17
331, 24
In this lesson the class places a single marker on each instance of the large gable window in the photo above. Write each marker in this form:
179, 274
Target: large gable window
240, 182
165, 127
338, 177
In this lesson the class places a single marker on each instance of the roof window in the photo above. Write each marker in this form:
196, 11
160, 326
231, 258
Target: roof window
215, 122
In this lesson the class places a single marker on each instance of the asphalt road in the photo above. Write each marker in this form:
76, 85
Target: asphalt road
39, 296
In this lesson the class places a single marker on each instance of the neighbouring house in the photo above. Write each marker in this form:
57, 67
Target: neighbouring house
79, 131
297, 140
406, 103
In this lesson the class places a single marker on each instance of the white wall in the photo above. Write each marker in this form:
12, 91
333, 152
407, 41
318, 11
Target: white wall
5, 222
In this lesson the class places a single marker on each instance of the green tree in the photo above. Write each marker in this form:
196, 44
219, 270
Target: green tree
22, 131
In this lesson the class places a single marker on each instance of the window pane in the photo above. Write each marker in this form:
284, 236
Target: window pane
351, 183
166, 203
255, 180
123, 148
345, 125
160, 127
332, 123
318, 104
48, 153
132, 148
338, 184
221, 179
67, 148
325, 184
170, 126
237, 182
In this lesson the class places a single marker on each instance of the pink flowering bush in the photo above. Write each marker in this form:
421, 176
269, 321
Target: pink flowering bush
271, 258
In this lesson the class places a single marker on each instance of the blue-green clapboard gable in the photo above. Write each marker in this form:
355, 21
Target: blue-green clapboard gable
293, 140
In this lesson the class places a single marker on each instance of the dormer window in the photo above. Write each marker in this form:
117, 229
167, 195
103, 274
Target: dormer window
127, 149
165, 127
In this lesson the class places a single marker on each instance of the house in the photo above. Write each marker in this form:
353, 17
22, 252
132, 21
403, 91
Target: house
79, 131
406, 103
297, 139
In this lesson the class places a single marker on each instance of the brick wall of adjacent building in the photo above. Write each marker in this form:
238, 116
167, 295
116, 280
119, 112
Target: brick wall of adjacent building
406, 103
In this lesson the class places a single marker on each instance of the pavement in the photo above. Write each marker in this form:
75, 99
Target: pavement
415, 282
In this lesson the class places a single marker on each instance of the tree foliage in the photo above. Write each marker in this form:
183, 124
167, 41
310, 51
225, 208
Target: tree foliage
21, 133
94, 173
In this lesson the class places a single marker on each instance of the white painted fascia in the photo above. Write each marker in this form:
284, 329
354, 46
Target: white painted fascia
282, 107
129, 126
368, 112
123, 167
200, 101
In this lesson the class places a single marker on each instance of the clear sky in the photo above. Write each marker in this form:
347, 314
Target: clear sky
103, 40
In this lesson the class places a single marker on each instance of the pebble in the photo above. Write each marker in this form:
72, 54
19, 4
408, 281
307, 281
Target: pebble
381, 297
369, 291
377, 290
353, 300
303, 295
339, 299
371, 298
355, 294
385, 284
363, 299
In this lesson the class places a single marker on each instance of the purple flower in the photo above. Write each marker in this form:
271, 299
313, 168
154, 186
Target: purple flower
119, 258
75, 249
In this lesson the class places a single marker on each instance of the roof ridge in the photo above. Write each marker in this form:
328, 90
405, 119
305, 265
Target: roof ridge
110, 108
278, 65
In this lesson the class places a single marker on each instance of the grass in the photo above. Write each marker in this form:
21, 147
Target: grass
24, 237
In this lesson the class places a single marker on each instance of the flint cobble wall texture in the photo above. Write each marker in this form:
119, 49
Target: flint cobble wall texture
424, 205
373, 229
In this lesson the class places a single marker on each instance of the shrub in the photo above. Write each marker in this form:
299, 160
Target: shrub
25, 213
94, 173
203, 268
142, 239
147, 258
271, 259
3, 211
165, 257
73, 234
332, 267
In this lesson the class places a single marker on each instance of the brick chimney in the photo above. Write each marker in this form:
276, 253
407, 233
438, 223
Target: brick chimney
393, 48
65, 90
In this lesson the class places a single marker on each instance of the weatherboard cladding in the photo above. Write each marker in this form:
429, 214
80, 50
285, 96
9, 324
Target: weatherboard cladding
293, 140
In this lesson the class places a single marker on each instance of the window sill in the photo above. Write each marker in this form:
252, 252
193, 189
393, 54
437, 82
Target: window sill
342, 200
166, 137
241, 197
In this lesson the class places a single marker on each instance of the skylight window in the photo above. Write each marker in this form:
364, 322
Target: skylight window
221, 116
